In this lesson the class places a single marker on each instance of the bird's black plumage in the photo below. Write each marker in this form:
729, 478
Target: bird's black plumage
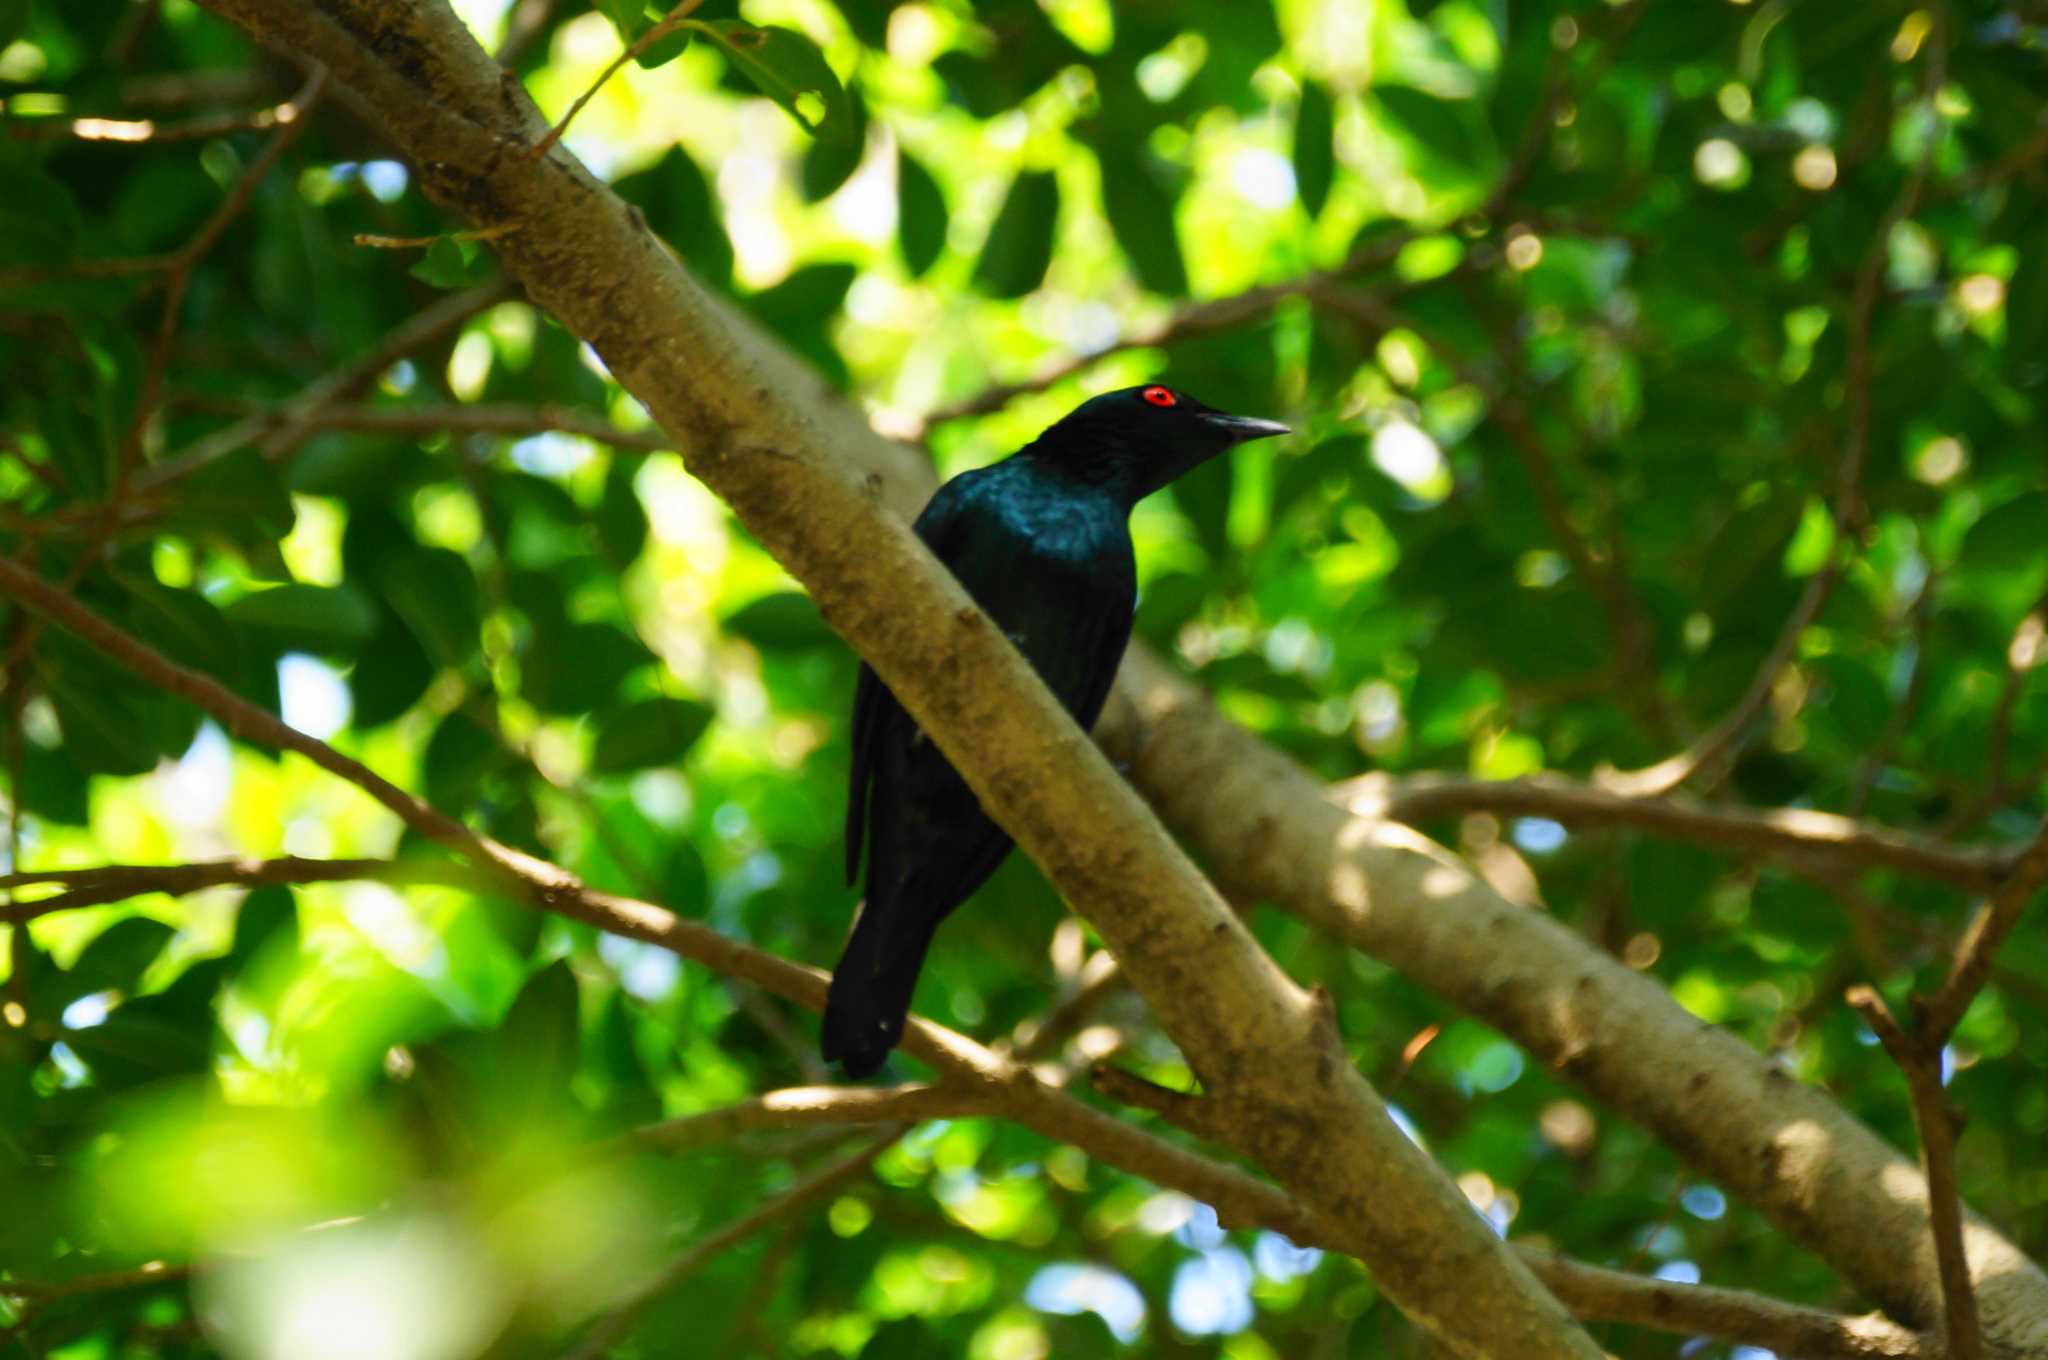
1042, 542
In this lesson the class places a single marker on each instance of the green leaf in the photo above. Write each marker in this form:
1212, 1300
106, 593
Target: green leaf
575, 667
784, 621
450, 263
651, 732
806, 297
39, 219
333, 620
185, 626
2026, 299
1018, 250
1141, 214
2009, 537
459, 757
629, 17
391, 672
267, 914
103, 716
680, 208
830, 161
539, 1040
54, 786
920, 214
1315, 159
13, 20
240, 497
1439, 126
434, 591
785, 66
621, 520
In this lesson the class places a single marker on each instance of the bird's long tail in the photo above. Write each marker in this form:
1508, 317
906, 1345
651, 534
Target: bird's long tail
871, 988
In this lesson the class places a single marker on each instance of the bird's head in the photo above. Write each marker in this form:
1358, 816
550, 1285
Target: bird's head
1137, 439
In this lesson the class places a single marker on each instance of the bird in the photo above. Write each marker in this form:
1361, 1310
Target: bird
1042, 542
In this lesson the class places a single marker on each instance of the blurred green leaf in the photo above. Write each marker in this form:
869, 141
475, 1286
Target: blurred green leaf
651, 732
305, 618
1315, 157
784, 621
1018, 250
784, 65
1141, 213
920, 214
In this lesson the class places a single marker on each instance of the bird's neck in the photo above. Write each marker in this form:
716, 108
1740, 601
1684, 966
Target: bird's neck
1099, 468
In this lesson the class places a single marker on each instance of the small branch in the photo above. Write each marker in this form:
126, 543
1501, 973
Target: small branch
119, 882
376, 241
612, 1328
1599, 1294
279, 429
290, 121
483, 418
1182, 1109
140, 131
1919, 1057
1901, 720
804, 1107
1939, 1014
1794, 832
1039, 1039
247, 721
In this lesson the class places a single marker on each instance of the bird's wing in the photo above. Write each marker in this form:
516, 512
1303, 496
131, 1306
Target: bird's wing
871, 702
940, 526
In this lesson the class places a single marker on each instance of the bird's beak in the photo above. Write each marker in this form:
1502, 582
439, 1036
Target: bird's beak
1243, 428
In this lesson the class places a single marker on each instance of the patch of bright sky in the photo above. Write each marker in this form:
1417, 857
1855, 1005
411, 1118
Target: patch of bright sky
1538, 835
486, 20
646, 971
1069, 1289
1212, 1294
315, 698
1704, 1201
193, 792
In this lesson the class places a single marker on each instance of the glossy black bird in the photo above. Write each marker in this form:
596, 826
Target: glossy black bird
1042, 541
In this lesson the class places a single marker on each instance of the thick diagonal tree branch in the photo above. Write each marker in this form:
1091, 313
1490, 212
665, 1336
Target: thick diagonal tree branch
1822, 1176
1264, 1050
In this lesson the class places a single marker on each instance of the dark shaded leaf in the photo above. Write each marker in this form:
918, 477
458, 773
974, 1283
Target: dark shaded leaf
680, 208
621, 521
830, 161
1018, 250
784, 65
784, 621
303, 618
920, 214
1315, 157
651, 732
434, 591
1141, 213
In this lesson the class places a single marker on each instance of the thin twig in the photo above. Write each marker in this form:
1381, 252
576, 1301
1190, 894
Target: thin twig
612, 1328
1919, 1057
1797, 833
668, 24
1715, 753
279, 429
290, 121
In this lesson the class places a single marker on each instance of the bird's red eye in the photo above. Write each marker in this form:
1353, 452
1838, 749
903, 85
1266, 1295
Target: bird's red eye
1160, 396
